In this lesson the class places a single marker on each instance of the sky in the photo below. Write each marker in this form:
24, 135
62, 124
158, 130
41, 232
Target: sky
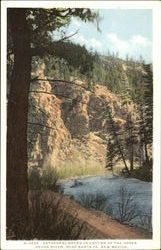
126, 31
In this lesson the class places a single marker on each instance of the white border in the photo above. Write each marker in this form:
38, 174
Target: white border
156, 121
85, 4
130, 244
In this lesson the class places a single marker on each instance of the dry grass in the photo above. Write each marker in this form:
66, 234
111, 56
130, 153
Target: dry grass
79, 169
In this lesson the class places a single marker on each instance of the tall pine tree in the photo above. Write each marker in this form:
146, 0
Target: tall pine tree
31, 33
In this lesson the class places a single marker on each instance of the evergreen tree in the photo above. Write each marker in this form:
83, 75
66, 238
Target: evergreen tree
111, 154
146, 112
31, 34
130, 130
116, 137
131, 140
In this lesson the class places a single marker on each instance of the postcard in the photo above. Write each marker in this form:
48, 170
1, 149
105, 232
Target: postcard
80, 125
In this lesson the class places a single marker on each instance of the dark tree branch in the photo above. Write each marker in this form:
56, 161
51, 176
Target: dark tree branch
41, 92
48, 49
56, 94
43, 114
67, 37
39, 124
58, 80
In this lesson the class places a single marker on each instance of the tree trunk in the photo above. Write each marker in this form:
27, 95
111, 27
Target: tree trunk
117, 140
146, 153
131, 147
120, 150
132, 157
123, 158
17, 112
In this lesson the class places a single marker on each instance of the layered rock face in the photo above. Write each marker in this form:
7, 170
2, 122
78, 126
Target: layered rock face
66, 120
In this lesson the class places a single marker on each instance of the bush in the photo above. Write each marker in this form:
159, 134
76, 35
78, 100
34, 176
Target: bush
34, 179
48, 220
45, 179
109, 210
145, 221
126, 207
144, 174
49, 178
96, 201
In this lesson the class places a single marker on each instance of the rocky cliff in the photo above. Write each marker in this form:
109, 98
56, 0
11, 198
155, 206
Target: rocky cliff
66, 120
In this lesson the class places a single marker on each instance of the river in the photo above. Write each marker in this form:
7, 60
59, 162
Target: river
128, 200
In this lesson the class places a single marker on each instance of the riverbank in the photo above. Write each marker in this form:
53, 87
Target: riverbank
128, 200
97, 225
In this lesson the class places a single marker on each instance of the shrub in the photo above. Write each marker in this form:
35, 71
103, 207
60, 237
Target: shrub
49, 178
109, 210
144, 174
34, 179
45, 179
126, 208
48, 220
145, 220
96, 201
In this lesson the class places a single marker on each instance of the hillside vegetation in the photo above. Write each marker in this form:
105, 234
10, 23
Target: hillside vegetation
83, 120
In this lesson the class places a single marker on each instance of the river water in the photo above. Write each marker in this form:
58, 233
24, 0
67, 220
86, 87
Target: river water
128, 200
